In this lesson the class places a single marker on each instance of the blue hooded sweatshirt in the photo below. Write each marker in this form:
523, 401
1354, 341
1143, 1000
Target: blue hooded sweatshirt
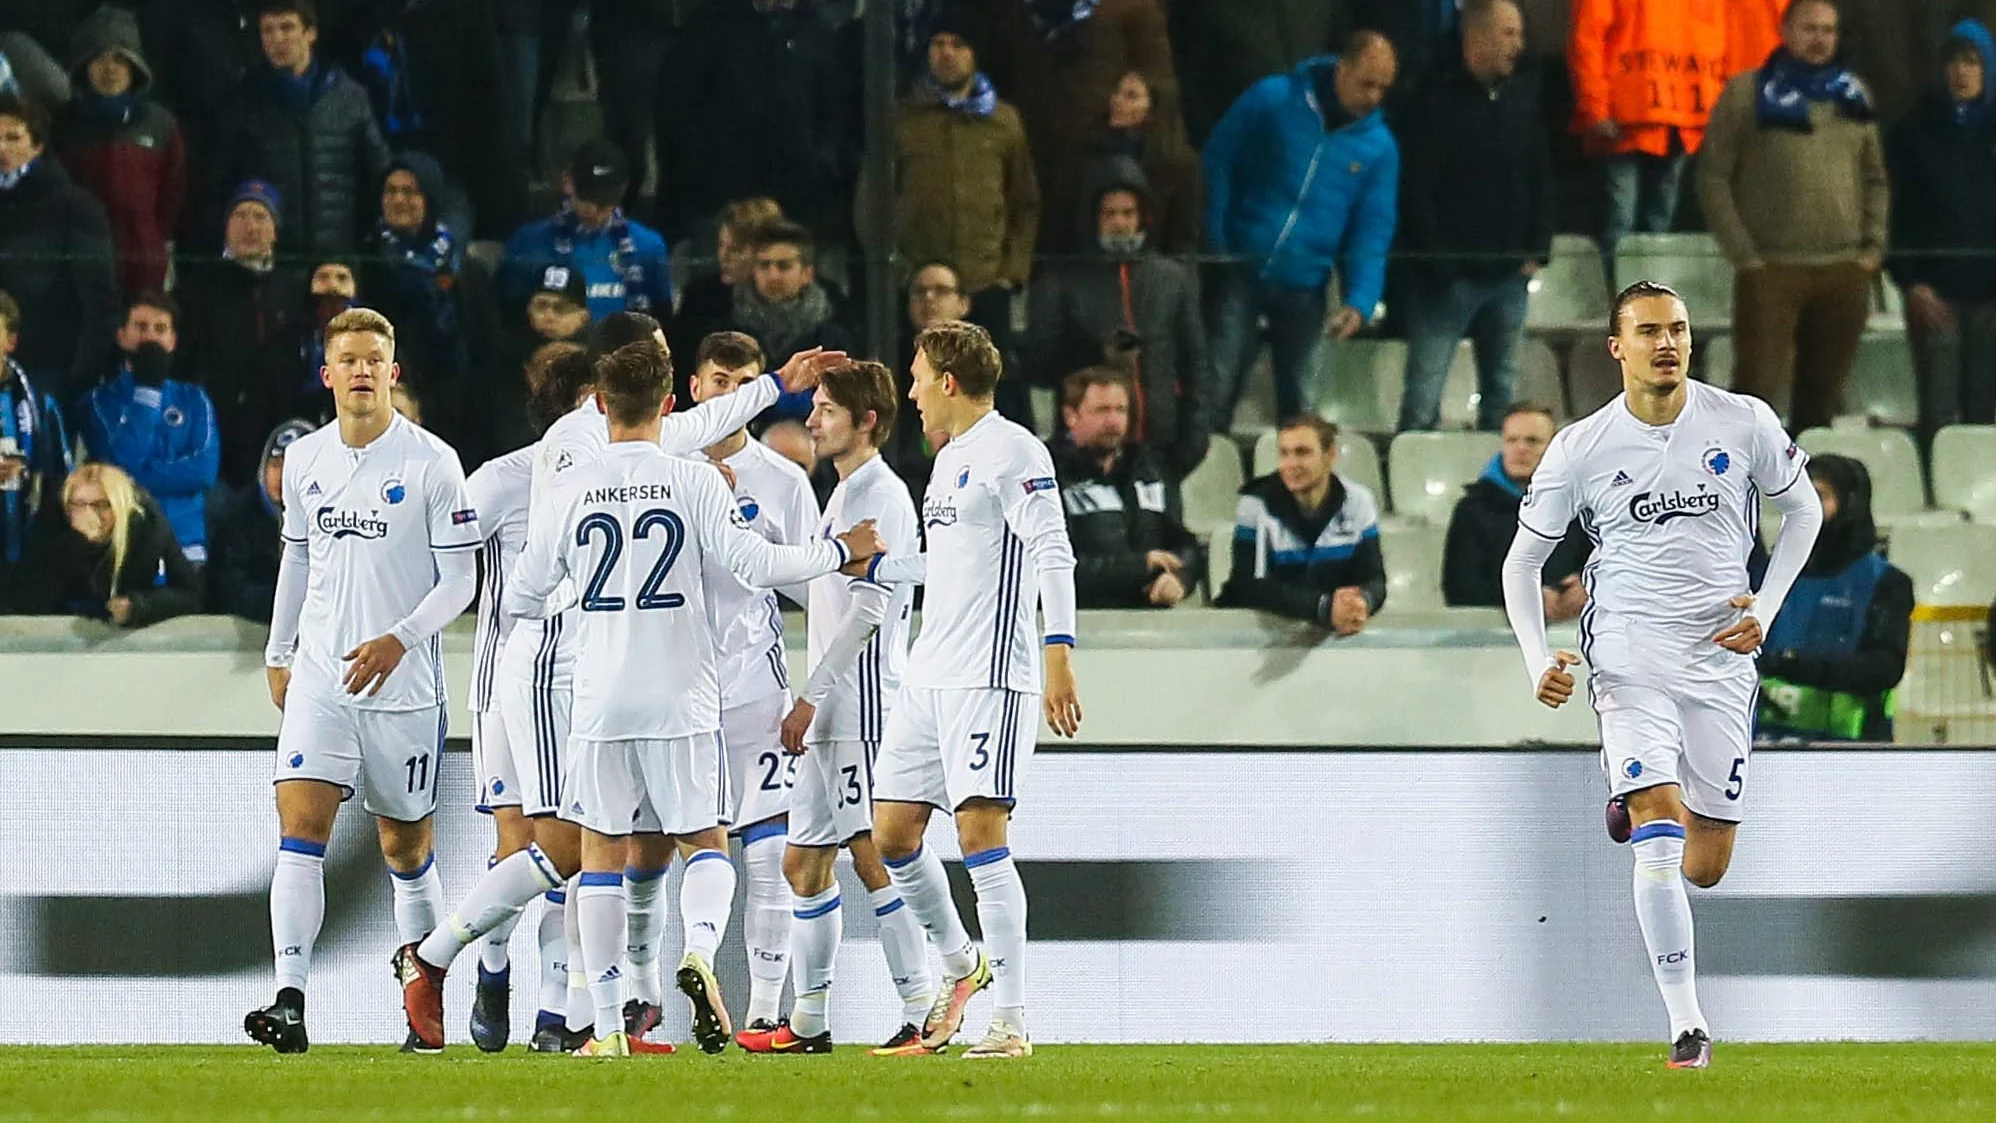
165, 436
1299, 200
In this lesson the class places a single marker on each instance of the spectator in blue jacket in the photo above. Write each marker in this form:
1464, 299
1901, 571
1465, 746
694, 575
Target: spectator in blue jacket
159, 429
624, 262
34, 450
1301, 181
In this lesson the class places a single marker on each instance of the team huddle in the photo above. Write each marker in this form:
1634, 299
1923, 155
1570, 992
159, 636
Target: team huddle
630, 696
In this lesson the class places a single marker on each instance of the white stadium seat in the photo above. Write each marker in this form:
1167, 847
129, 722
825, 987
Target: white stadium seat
1712, 358
1210, 492
1888, 454
1881, 386
1690, 263
1948, 564
1538, 378
1428, 470
1964, 470
1413, 554
1355, 381
1571, 293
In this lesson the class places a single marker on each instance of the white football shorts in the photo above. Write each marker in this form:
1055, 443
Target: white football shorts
391, 756
833, 799
946, 747
675, 785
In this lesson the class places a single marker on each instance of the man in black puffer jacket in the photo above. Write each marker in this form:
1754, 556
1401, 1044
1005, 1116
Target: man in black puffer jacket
1486, 520
305, 126
1131, 548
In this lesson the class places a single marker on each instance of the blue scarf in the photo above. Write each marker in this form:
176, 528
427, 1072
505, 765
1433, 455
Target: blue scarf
981, 100
435, 259
115, 109
32, 423
1788, 85
1056, 18
298, 92
624, 259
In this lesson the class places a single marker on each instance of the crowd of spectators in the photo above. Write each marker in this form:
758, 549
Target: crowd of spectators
1134, 197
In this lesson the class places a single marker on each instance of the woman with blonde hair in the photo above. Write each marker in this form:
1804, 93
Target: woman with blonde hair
115, 558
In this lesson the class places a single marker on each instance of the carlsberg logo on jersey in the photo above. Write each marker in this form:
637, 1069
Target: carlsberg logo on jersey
351, 524
1650, 507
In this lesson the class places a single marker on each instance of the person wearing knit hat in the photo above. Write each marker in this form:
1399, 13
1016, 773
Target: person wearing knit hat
123, 146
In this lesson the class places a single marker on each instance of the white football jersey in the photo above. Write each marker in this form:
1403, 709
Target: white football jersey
992, 488
370, 518
1674, 511
577, 438
856, 708
775, 498
633, 536
498, 492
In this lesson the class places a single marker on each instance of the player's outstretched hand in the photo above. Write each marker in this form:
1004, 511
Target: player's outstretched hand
370, 664
806, 367
1743, 637
862, 542
795, 726
279, 679
1063, 698
1556, 684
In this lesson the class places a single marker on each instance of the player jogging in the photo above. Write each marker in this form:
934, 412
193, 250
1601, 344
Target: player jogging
965, 725
634, 532
859, 651
775, 498
535, 683
556, 375
380, 544
1667, 480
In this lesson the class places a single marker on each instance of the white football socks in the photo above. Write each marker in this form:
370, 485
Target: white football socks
554, 954
814, 942
924, 887
766, 920
907, 952
1001, 910
645, 922
706, 897
581, 1010
297, 908
1663, 909
496, 899
419, 901
601, 917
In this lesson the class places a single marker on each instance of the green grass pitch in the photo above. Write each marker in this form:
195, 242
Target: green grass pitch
1812, 1083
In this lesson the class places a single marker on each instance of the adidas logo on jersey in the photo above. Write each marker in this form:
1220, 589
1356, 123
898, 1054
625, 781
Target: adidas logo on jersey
1621, 480
312, 490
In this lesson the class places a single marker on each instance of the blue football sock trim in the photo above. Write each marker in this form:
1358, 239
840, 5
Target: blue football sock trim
986, 857
1656, 828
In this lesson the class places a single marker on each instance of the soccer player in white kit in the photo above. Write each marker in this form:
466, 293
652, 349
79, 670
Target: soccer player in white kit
1667, 479
859, 652
534, 686
964, 725
556, 374
380, 545
635, 531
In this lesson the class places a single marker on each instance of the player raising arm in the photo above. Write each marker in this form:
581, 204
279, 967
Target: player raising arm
380, 544
633, 534
1667, 479
963, 729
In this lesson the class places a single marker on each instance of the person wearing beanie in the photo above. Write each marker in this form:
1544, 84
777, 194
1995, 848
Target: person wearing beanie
414, 272
55, 258
241, 311
123, 147
624, 262
303, 124
243, 540
161, 430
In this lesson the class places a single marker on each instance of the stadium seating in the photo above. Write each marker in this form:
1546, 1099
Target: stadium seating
1896, 486
1593, 378
1209, 492
1690, 263
1358, 460
1948, 564
1046, 404
1964, 467
1712, 359
1354, 379
1571, 293
1413, 554
1881, 386
1428, 470
1538, 378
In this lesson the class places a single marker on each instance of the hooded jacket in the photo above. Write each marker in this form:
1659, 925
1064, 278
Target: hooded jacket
1480, 533
416, 280
165, 436
1654, 67
1289, 562
56, 261
244, 543
1476, 178
67, 575
1298, 201
315, 140
968, 193
1077, 305
1115, 519
127, 151
1942, 158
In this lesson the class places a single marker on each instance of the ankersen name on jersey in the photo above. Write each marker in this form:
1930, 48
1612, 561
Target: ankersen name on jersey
627, 493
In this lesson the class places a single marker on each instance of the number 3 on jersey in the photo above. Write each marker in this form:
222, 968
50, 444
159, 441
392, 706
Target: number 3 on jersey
649, 597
